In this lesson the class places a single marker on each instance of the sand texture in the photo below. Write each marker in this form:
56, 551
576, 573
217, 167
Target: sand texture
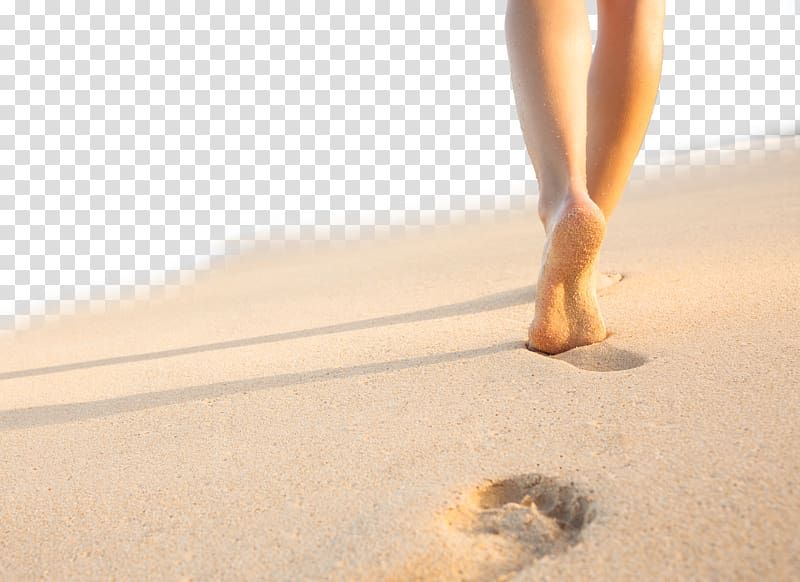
372, 413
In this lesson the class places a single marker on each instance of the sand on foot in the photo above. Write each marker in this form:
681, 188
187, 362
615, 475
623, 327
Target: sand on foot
567, 313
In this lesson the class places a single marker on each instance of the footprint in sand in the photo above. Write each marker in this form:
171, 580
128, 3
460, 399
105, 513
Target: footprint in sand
503, 527
602, 357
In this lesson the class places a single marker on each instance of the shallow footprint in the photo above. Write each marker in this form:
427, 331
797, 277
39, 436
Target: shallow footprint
602, 357
605, 281
502, 527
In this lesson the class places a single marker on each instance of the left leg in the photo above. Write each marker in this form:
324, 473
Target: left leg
549, 48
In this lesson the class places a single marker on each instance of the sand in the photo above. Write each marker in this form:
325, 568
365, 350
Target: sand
371, 412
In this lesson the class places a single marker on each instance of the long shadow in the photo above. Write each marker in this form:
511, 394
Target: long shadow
492, 302
65, 413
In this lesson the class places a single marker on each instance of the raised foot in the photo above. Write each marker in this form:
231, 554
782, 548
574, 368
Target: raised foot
567, 314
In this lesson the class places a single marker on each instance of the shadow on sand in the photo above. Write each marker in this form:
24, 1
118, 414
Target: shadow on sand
599, 358
64, 413
492, 302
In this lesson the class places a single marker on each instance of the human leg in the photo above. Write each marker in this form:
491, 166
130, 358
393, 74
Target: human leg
623, 83
549, 46
549, 49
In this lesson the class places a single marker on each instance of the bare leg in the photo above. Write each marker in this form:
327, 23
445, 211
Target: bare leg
623, 83
549, 46
549, 50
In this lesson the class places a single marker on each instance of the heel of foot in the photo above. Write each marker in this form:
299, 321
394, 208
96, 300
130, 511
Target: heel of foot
551, 345
579, 235
567, 313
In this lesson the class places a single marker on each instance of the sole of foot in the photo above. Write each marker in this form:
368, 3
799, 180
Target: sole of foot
567, 313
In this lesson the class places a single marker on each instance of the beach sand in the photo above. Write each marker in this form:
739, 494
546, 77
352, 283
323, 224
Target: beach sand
371, 412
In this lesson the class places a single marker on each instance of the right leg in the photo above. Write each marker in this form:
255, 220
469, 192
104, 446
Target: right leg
623, 83
549, 49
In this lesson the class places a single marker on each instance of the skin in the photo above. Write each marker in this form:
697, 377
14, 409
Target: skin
583, 118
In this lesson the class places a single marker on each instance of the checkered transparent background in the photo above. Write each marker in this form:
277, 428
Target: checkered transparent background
143, 138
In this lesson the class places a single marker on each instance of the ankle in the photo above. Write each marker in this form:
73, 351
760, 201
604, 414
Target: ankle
552, 202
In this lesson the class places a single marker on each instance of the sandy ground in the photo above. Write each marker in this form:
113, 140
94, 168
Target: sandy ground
371, 412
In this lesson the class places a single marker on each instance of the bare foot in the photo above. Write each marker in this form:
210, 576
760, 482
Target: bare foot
567, 314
